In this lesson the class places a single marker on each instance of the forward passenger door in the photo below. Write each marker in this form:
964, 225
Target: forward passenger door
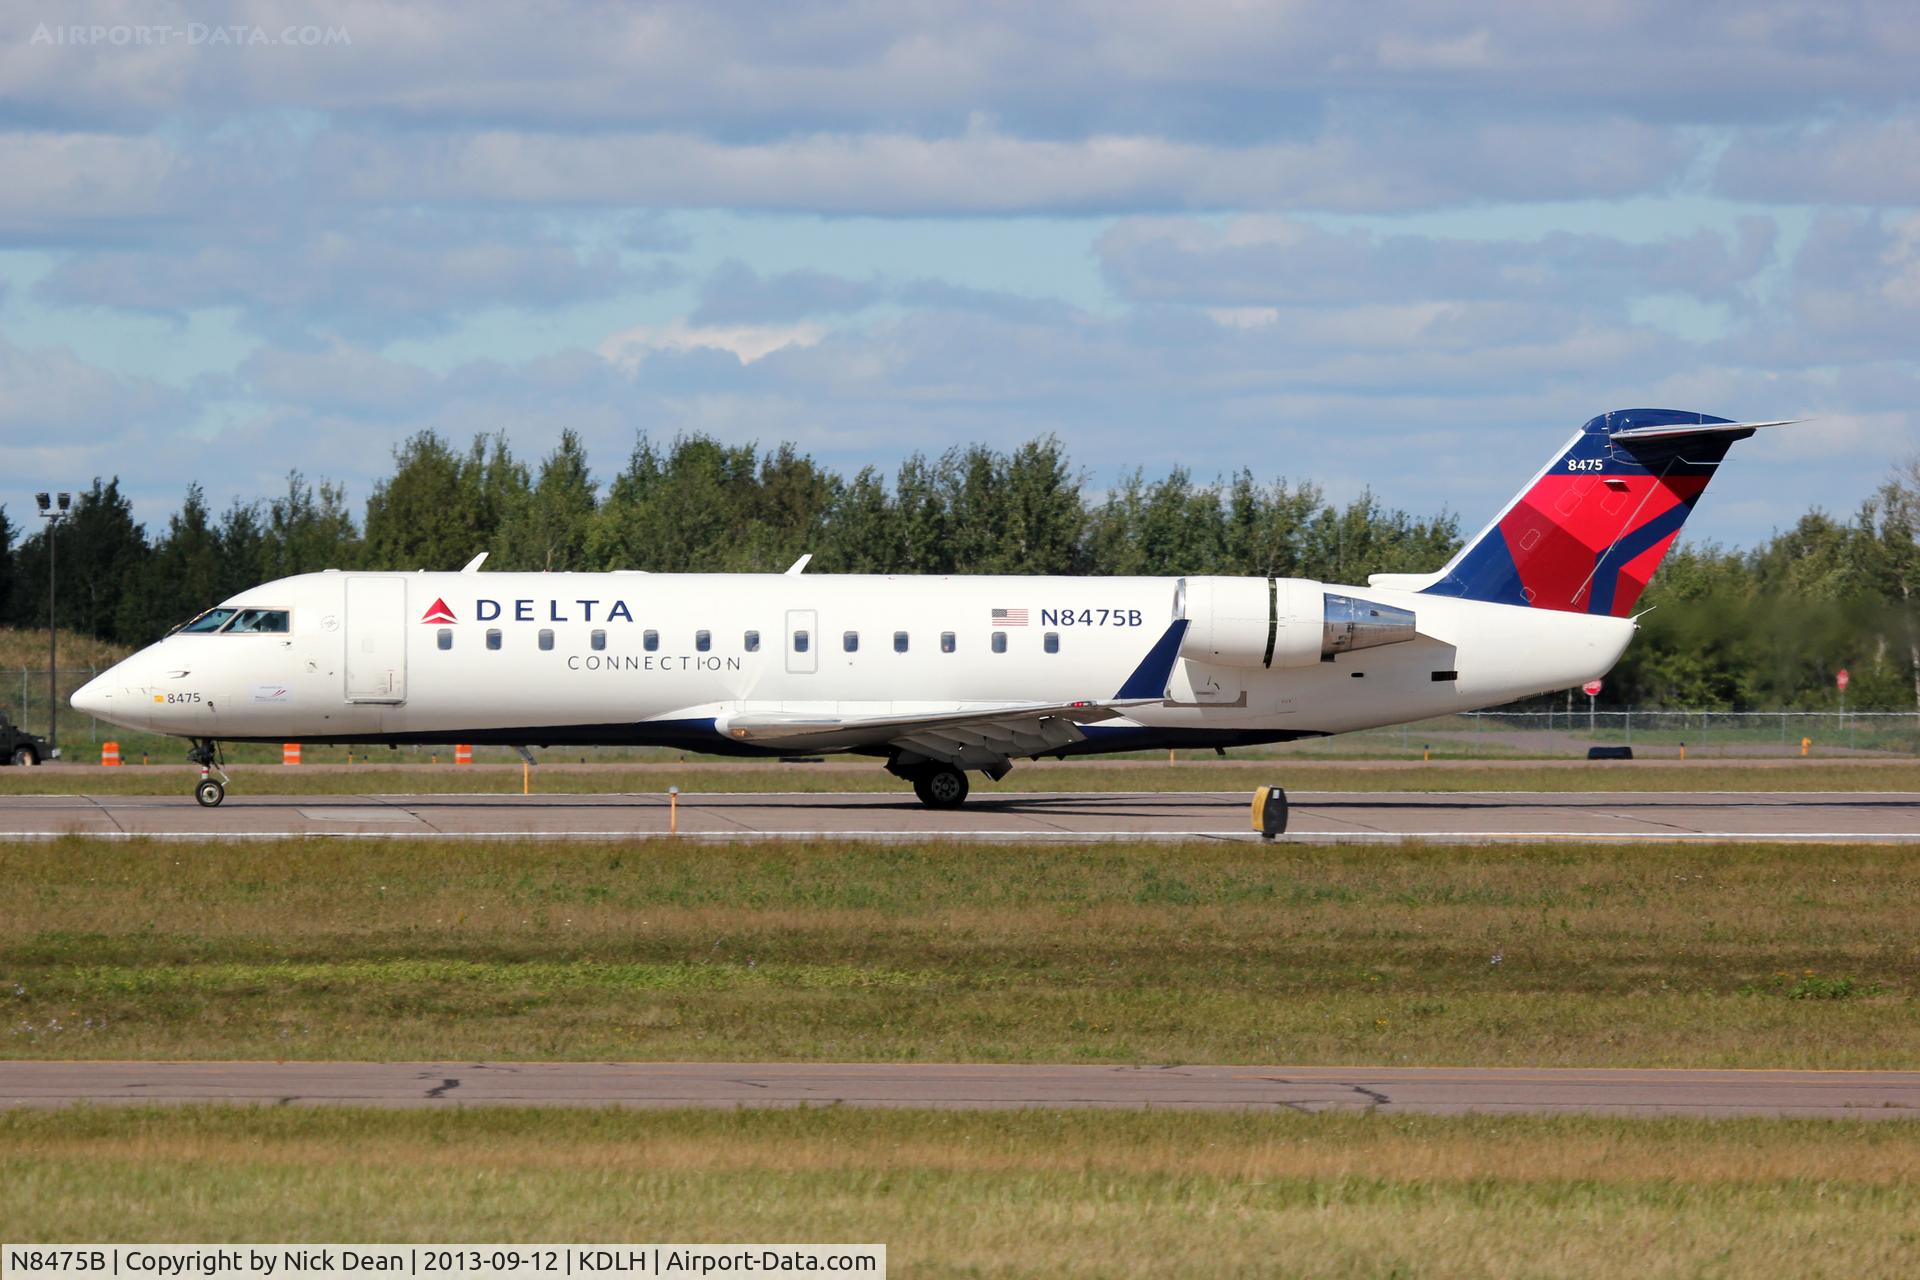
376, 640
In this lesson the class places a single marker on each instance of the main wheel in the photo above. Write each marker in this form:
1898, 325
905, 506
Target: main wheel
209, 793
25, 757
941, 787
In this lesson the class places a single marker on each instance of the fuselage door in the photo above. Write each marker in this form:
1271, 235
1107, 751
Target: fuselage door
803, 642
376, 640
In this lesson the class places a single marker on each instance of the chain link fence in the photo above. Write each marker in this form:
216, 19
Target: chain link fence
1531, 734
1534, 734
23, 696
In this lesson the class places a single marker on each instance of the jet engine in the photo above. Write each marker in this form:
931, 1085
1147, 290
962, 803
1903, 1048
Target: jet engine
1280, 622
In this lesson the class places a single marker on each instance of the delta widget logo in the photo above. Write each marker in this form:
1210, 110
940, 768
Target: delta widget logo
439, 612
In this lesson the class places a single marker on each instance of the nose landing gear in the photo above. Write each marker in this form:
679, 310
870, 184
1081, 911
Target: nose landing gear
209, 791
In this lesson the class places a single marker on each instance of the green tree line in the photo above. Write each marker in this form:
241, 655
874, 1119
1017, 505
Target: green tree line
1729, 630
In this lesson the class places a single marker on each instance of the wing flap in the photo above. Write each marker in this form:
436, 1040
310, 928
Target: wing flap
989, 746
1041, 723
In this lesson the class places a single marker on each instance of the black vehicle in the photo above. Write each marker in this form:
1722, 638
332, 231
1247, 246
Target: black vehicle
17, 746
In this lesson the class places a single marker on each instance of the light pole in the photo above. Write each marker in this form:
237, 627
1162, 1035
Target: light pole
53, 511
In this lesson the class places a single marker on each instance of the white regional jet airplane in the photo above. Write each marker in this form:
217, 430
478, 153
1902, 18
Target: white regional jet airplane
936, 675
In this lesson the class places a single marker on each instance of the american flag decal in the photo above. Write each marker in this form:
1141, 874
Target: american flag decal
1009, 617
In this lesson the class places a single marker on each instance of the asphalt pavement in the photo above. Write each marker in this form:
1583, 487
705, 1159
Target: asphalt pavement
1434, 1090
1453, 817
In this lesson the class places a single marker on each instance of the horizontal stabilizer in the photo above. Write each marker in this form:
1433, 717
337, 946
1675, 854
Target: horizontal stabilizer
1695, 429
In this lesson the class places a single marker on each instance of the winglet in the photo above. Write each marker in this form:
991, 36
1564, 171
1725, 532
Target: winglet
1150, 679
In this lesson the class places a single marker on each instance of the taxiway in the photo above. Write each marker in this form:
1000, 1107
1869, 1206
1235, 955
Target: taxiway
1452, 817
1436, 1090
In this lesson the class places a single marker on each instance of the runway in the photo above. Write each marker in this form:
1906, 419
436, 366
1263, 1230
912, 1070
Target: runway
1318, 816
1436, 1090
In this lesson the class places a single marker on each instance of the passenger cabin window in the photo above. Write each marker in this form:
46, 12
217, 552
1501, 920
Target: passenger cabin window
999, 642
1051, 642
850, 642
899, 642
598, 639
546, 637
946, 642
799, 642
444, 637
272, 622
650, 641
753, 642
493, 637
703, 640
211, 620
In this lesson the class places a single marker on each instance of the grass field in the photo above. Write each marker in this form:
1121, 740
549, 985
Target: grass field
1004, 1194
1046, 775
26, 648
1585, 955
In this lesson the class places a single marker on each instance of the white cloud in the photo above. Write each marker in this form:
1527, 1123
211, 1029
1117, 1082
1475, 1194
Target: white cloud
53, 178
1257, 260
1244, 317
1358, 163
354, 273
53, 395
746, 342
1210, 68
64, 421
1472, 50
483, 166
1851, 161
338, 379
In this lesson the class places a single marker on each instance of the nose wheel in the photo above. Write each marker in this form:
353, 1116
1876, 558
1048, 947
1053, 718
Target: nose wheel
209, 791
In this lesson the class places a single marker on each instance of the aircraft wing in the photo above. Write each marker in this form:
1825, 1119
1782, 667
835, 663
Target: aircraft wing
980, 736
974, 737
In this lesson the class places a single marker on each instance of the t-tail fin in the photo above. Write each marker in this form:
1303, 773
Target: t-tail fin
1586, 534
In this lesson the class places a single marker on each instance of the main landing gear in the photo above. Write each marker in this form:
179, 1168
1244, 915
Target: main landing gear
939, 786
209, 791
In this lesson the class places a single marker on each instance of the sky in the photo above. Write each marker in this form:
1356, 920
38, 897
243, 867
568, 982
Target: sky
1404, 246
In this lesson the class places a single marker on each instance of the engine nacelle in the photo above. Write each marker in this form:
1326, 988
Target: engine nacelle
1280, 622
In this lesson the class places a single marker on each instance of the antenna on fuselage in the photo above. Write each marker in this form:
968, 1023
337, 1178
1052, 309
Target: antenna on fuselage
473, 565
799, 566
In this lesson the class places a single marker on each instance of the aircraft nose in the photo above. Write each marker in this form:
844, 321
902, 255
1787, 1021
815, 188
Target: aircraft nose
116, 696
95, 697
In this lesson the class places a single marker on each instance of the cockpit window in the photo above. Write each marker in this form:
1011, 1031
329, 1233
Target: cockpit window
211, 620
276, 622
259, 622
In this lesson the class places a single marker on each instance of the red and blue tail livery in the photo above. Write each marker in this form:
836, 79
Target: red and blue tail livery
1587, 534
